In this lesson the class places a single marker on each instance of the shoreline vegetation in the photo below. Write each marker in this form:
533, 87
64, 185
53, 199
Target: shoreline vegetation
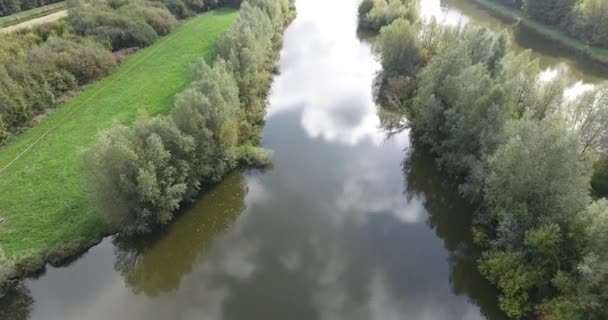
595, 54
515, 148
49, 218
140, 176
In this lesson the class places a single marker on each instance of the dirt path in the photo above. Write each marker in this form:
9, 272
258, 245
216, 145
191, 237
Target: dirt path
34, 22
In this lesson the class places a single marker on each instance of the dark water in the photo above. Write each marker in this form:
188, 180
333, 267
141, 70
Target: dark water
348, 224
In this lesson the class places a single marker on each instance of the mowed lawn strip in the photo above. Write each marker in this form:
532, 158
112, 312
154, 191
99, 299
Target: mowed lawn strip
44, 199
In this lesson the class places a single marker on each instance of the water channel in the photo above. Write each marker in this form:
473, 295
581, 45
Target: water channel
349, 223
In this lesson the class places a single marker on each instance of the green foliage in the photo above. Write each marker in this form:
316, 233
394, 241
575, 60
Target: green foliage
514, 277
8, 7
253, 156
522, 172
593, 269
250, 48
33, 76
139, 177
588, 116
591, 21
375, 14
400, 49
209, 112
551, 12
524, 154
586, 20
53, 167
129, 23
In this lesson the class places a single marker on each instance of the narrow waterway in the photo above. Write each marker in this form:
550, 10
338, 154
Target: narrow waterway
349, 223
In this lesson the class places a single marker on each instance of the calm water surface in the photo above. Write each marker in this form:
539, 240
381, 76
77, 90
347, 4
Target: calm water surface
348, 224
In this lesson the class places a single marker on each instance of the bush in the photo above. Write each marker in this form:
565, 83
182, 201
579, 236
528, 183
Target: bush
4, 133
85, 62
124, 24
209, 112
252, 156
32, 75
139, 176
400, 49
375, 14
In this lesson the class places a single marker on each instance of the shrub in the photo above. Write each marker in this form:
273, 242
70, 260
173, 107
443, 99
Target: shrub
209, 112
375, 14
124, 24
139, 176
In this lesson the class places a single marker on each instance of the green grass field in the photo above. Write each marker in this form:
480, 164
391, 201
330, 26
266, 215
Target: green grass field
32, 14
597, 53
44, 201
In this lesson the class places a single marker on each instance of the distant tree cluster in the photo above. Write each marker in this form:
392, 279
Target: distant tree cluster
122, 23
133, 23
8, 7
583, 19
374, 14
141, 175
519, 150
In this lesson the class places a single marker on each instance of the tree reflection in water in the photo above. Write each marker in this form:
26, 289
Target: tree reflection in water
156, 264
16, 304
450, 216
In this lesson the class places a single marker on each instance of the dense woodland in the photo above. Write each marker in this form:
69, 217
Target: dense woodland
583, 19
141, 175
516, 147
42, 67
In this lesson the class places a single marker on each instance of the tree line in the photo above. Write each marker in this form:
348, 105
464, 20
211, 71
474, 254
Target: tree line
140, 176
518, 149
586, 20
8, 7
40, 68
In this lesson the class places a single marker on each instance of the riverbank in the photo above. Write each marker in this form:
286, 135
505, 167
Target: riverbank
45, 210
598, 55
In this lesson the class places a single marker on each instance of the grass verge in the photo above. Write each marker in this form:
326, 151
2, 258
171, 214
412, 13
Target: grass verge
597, 54
23, 16
45, 206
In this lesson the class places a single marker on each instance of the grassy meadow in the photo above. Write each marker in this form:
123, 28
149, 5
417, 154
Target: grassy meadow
44, 200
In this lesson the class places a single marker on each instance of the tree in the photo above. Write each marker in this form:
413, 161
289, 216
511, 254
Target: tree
376, 14
400, 49
138, 177
593, 269
591, 21
514, 277
209, 112
538, 172
588, 117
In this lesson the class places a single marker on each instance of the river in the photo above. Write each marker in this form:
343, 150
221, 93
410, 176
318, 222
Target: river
349, 223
